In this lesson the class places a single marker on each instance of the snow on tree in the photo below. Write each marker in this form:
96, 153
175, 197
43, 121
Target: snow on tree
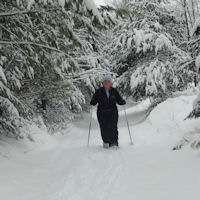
92, 6
193, 139
194, 48
145, 51
196, 28
197, 62
50, 59
189, 11
196, 104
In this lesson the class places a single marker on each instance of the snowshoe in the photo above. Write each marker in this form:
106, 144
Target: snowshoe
105, 145
114, 145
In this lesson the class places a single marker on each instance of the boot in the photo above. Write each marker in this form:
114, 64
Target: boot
105, 145
114, 145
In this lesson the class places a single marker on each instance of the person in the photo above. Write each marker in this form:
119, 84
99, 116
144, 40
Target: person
107, 113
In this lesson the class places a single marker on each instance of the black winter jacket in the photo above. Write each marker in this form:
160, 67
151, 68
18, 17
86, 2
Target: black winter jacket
105, 103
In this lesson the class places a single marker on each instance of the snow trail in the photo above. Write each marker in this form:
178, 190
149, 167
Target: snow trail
64, 168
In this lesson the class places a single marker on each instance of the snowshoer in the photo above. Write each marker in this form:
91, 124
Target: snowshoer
107, 113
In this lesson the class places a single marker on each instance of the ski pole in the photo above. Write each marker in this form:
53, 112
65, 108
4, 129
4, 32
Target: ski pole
128, 126
91, 111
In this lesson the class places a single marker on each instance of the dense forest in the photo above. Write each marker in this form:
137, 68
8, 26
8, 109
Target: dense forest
53, 55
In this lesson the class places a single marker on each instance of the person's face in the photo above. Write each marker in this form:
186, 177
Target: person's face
107, 84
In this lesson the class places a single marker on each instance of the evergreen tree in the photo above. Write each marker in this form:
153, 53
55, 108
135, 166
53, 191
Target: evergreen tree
194, 48
146, 53
50, 60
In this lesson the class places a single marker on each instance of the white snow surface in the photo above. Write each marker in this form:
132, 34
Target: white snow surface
62, 167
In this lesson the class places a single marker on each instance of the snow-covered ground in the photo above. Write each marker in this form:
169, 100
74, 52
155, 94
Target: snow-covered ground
64, 168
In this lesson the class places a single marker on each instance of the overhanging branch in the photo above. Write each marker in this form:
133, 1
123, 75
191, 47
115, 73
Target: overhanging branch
33, 44
7, 14
43, 46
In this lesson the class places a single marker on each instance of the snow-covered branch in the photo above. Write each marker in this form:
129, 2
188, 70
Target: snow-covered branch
8, 14
31, 43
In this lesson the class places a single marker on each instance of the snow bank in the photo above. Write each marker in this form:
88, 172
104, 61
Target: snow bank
142, 106
172, 111
166, 124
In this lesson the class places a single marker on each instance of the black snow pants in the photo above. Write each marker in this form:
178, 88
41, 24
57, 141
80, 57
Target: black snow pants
108, 120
